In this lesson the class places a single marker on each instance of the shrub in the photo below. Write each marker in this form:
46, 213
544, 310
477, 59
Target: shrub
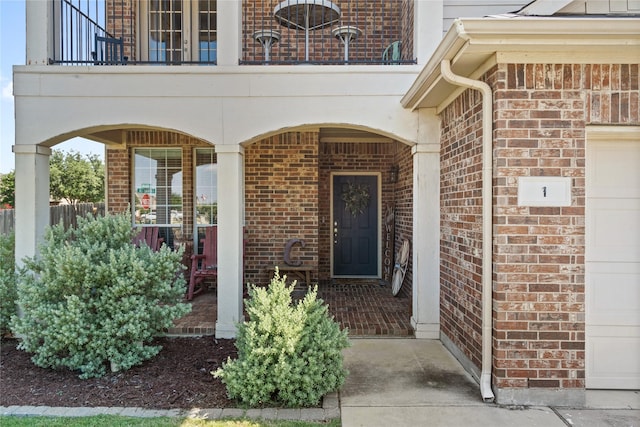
91, 298
8, 292
288, 355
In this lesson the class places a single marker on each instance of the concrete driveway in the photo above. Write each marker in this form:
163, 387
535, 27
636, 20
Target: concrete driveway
409, 382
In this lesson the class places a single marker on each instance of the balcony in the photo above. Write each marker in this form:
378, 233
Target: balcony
278, 32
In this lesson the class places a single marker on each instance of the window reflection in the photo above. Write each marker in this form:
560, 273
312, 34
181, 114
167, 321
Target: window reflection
157, 193
206, 190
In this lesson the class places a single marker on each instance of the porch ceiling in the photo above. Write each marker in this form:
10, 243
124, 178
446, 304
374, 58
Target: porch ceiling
474, 45
350, 135
109, 137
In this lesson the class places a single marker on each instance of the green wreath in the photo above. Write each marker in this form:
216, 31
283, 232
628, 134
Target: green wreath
355, 197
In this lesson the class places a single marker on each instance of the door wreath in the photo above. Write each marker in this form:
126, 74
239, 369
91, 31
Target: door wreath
355, 197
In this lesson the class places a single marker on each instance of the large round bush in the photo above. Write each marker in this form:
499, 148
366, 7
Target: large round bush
8, 293
91, 300
288, 354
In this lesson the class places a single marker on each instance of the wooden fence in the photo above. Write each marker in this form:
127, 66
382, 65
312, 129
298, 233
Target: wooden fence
67, 214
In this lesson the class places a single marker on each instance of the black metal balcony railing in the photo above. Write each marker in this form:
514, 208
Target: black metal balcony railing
130, 32
76, 27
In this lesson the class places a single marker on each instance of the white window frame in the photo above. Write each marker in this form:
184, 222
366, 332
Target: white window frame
212, 187
174, 221
190, 31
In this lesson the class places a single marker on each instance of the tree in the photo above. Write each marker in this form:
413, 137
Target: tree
75, 178
8, 190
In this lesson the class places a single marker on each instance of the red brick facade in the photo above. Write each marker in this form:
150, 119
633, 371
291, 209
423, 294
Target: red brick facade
287, 192
540, 114
367, 157
281, 202
381, 24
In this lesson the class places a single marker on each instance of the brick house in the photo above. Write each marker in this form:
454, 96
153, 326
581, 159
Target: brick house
507, 146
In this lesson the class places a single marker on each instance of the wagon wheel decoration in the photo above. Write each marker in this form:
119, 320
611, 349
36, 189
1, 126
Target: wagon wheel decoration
355, 197
400, 268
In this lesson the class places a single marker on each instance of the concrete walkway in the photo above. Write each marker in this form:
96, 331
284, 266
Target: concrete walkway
408, 382
404, 382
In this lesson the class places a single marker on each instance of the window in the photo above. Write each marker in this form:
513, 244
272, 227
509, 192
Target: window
206, 190
157, 193
177, 31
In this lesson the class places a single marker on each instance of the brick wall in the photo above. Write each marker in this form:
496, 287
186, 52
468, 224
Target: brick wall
361, 157
121, 22
403, 195
538, 285
407, 29
118, 167
281, 202
461, 224
287, 192
381, 23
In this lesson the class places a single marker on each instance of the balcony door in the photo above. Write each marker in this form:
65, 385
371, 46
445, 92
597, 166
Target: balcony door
179, 31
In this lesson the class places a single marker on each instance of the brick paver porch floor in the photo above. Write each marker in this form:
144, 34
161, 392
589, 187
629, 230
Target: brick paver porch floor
366, 309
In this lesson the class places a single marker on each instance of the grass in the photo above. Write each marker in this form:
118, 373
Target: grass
118, 421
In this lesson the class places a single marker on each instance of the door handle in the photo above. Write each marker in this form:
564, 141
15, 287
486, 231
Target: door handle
335, 232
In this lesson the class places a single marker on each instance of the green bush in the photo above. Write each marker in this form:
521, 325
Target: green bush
8, 291
288, 354
91, 299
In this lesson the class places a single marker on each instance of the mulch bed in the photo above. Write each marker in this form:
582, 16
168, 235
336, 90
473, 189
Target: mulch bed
178, 377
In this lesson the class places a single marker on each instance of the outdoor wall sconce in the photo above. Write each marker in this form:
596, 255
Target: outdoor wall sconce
393, 173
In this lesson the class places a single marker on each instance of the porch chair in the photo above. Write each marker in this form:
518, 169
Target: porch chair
108, 51
149, 236
392, 53
204, 265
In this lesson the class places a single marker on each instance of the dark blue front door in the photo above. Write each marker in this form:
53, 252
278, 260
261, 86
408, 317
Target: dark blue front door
355, 225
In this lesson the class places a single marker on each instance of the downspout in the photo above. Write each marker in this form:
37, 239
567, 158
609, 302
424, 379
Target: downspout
487, 223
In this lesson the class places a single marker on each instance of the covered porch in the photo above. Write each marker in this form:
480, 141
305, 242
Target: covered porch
366, 308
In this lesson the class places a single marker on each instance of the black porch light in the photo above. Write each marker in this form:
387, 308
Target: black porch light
393, 173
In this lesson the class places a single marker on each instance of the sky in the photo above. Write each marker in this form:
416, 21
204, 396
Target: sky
13, 52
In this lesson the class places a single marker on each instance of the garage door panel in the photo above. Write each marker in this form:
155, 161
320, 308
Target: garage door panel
607, 282
614, 230
610, 361
610, 164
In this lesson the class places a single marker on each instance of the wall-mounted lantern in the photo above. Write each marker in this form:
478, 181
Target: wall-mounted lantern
393, 173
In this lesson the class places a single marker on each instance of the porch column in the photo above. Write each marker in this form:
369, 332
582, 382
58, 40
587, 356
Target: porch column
229, 19
40, 23
427, 28
32, 198
426, 228
230, 222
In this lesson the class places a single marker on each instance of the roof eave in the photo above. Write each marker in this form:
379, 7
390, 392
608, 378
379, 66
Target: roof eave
472, 42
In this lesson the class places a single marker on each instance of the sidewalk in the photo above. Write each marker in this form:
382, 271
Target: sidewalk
408, 382
404, 382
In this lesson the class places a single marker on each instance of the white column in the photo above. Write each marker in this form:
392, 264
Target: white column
230, 224
229, 18
32, 198
426, 228
427, 28
39, 39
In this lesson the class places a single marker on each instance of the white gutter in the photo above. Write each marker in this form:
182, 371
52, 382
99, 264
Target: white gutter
487, 235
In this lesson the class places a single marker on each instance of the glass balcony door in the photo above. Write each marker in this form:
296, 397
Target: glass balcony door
179, 31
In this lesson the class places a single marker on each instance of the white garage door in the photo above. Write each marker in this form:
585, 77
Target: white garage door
612, 286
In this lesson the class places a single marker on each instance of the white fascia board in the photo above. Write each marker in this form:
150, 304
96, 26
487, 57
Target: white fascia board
471, 42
